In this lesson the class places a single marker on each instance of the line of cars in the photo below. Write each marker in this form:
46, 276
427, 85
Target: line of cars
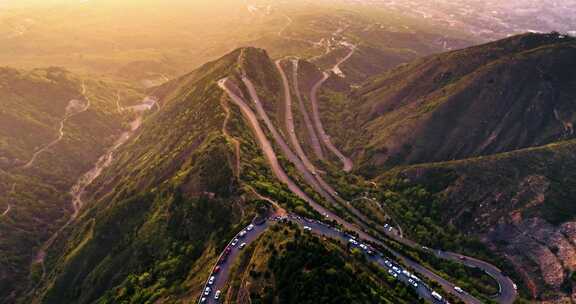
394, 269
223, 258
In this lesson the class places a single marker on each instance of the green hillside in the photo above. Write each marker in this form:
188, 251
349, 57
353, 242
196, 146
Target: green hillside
34, 189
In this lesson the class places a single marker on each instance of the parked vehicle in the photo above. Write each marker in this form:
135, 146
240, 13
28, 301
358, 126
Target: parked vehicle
242, 245
437, 296
458, 289
217, 295
211, 280
207, 291
234, 242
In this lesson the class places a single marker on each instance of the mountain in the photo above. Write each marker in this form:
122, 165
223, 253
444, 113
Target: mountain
519, 203
221, 160
475, 144
197, 172
502, 96
163, 210
54, 126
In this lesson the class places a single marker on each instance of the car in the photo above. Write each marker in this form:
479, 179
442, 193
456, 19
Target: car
242, 245
515, 286
307, 228
417, 279
386, 225
211, 280
437, 296
410, 281
216, 269
217, 295
203, 300
363, 246
242, 233
415, 285
353, 242
234, 242
207, 291
221, 260
250, 227
458, 289
406, 273
396, 269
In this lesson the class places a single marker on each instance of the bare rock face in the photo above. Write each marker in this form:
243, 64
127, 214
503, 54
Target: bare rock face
550, 251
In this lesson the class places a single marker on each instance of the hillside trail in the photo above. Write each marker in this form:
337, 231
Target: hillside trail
78, 190
230, 138
71, 111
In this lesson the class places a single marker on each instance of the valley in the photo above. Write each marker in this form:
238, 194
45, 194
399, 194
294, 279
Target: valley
260, 151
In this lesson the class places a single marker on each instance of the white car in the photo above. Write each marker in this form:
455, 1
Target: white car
250, 227
217, 295
415, 285
458, 289
207, 291
203, 300
242, 233
211, 280
234, 242
307, 228
242, 245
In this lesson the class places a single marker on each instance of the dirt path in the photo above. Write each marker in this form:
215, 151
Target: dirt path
346, 162
314, 141
70, 112
229, 137
79, 189
290, 120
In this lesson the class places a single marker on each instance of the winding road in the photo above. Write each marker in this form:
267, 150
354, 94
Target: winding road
279, 172
304, 167
314, 141
346, 162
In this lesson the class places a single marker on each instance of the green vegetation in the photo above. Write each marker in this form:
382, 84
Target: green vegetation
287, 266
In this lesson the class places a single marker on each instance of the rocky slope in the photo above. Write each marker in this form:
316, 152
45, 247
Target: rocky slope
519, 203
